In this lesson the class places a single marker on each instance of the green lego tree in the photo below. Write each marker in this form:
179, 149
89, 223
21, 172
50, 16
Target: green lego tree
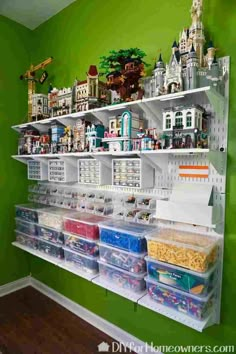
123, 70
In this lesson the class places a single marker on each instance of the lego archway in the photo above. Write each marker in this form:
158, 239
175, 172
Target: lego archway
173, 87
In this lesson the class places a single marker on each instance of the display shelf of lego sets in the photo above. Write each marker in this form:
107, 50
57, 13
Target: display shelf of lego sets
152, 107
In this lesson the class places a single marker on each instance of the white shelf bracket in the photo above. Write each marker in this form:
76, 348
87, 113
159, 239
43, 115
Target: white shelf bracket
66, 121
149, 114
218, 161
105, 159
22, 159
102, 117
71, 160
218, 102
160, 162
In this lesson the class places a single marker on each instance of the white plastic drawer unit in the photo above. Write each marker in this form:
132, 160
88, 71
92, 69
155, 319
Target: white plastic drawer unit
132, 173
91, 171
61, 171
37, 170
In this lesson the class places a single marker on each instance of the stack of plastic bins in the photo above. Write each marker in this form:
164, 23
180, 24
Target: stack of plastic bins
182, 271
26, 221
49, 228
81, 236
122, 250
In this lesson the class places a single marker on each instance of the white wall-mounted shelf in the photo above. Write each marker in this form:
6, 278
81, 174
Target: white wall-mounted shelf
23, 158
59, 263
199, 326
154, 105
118, 290
155, 158
142, 298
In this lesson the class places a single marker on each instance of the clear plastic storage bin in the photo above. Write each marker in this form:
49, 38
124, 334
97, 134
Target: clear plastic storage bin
82, 261
103, 209
26, 240
122, 278
51, 249
146, 203
26, 227
28, 212
81, 244
132, 262
50, 234
191, 305
125, 235
199, 284
83, 224
188, 250
145, 217
52, 217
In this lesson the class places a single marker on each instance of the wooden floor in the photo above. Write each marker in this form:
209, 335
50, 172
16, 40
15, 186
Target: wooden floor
31, 323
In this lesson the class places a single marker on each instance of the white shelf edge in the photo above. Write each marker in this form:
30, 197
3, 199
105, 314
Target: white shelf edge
142, 298
55, 261
76, 271
110, 153
210, 226
175, 151
147, 302
39, 254
117, 290
110, 108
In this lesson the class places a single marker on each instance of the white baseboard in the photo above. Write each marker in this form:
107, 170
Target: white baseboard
110, 329
14, 286
118, 334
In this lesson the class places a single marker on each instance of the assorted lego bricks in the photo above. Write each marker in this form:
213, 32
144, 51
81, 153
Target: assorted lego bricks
134, 173
193, 306
121, 206
93, 172
61, 171
37, 170
182, 267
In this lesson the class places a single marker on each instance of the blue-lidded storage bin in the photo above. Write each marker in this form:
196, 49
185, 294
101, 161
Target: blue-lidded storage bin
199, 284
80, 244
50, 234
86, 263
125, 235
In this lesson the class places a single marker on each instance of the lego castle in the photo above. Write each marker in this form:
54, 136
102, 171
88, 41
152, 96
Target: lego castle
189, 68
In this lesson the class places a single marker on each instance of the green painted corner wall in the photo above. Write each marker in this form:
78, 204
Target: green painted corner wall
15, 43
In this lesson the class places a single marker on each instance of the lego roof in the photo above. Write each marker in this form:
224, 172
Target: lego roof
93, 70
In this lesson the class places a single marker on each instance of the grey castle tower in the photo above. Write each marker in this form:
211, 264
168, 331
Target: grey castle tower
192, 70
188, 67
159, 74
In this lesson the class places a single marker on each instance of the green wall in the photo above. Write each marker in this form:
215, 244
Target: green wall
14, 58
76, 38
